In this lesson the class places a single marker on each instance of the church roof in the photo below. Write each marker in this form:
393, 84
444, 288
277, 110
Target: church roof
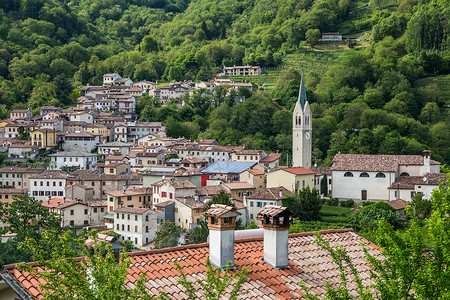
302, 94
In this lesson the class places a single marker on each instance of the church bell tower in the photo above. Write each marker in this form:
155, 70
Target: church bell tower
301, 130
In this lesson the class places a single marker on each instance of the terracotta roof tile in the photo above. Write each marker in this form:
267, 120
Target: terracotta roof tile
399, 204
308, 263
271, 157
272, 193
375, 163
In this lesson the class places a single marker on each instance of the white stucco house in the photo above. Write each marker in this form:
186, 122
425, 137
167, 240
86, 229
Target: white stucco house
368, 177
138, 225
406, 187
48, 184
73, 159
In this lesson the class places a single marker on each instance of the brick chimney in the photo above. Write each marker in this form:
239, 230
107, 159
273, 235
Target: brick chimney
275, 222
221, 224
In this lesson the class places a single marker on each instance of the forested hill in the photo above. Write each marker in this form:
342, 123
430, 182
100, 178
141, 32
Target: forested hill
387, 95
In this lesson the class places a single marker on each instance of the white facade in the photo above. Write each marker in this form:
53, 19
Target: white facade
114, 147
136, 225
359, 185
45, 188
301, 130
108, 79
120, 133
82, 117
73, 159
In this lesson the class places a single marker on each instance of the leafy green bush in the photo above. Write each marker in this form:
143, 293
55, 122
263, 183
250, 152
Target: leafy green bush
367, 203
347, 203
307, 226
333, 202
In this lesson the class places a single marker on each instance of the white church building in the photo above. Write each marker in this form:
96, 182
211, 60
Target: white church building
370, 177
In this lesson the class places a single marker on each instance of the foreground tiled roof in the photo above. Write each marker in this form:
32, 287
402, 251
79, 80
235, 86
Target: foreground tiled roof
375, 163
307, 262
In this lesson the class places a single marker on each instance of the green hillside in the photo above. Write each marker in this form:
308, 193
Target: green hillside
384, 93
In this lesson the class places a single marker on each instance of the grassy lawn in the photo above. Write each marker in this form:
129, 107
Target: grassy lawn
334, 214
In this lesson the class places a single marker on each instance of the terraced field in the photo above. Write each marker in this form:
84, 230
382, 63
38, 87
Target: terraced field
303, 61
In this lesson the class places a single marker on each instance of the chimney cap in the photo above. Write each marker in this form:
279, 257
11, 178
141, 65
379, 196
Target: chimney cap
271, 214
222, 210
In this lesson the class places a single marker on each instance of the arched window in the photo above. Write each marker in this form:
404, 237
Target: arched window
299, 120
364, 175
296, 120
404, 174
380, 175
348, 174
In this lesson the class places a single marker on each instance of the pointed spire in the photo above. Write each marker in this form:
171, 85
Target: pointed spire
302, 93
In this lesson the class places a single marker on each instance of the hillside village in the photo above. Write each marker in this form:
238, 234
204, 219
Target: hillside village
105, 169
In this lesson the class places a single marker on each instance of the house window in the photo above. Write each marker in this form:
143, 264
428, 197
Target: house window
404, 174
129, 198
85, 222
95, 210
258, 204
135, 228
111, 199
135, 241
102, 209
413, 194
128, 227
128, 217
380, 175
117, 226
123, 227
85, 211
146, 228
71, 223
348, 174
251, 216
364, 174
251, 203
71, 212
135, 217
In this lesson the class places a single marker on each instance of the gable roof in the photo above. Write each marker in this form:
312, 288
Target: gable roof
307, 261
296, 170
408, 182
375, 163
398, 204
271, 157
272, 193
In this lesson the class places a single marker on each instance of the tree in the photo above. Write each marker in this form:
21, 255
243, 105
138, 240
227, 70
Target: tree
421, 207
26, 218
167, 236
221, 198
98, 275
407, 269
252, 225
149, 44
324, 185
305, 204
367, 218
199, 234
313, 35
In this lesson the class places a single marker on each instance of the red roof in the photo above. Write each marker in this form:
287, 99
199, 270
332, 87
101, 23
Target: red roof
256, 172
298, 170
53, 202
271, 157
307, 262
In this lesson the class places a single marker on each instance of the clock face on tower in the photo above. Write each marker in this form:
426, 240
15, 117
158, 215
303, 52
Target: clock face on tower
307, 135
